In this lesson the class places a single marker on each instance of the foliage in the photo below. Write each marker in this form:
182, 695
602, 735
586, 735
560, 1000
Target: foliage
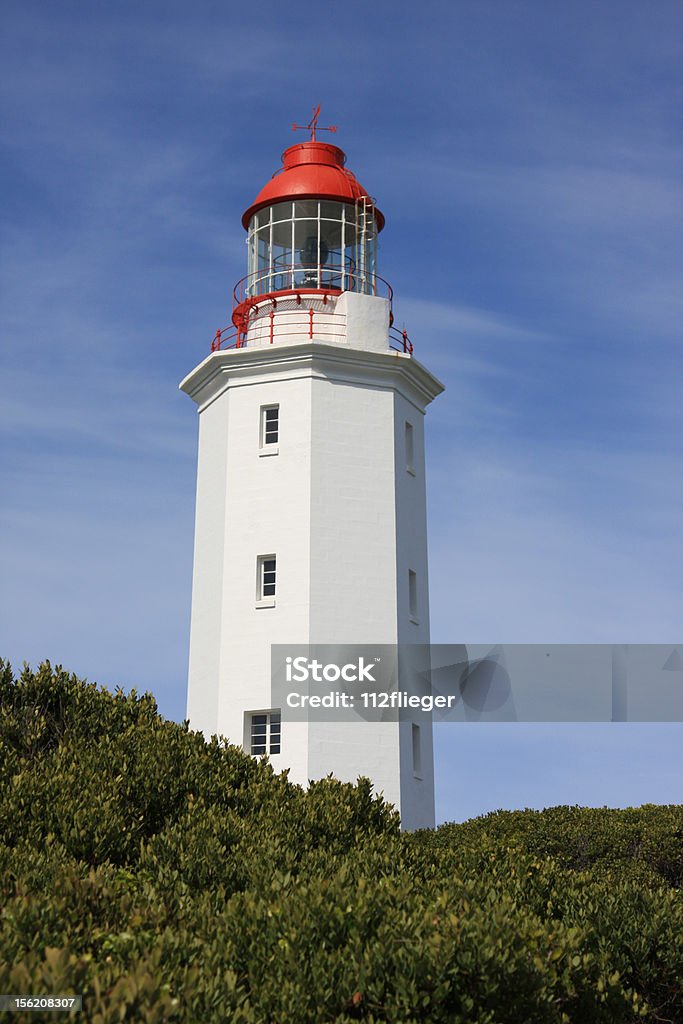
172, 879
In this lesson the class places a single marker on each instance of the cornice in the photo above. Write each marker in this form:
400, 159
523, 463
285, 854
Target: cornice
239, 367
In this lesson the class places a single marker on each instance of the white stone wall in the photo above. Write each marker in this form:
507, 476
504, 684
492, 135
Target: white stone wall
268, 502
207, 582
345, 521
350, 319
417, 790
353, 559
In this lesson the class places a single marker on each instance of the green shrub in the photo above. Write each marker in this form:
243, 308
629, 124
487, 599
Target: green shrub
172, 879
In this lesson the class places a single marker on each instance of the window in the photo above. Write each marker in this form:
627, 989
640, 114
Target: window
264, 732
410, 449
265, 578
417, 751
412, 594
269, 432
313, 244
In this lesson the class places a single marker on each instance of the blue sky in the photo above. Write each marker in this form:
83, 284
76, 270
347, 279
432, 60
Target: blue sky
527, 157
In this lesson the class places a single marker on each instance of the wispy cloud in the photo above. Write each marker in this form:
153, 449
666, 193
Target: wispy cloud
542, 512
528, 162
553, 547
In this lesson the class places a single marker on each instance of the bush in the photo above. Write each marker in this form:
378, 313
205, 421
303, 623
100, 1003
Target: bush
170, 878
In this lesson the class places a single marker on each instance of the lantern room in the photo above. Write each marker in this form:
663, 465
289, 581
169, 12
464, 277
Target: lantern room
312, 259
312, 227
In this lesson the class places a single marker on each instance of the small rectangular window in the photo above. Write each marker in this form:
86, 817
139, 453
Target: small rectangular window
264, 733
417, 751
412, 594
410, 448
266, 572
270, 426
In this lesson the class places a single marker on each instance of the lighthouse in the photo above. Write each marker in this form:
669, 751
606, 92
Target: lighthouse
311, 510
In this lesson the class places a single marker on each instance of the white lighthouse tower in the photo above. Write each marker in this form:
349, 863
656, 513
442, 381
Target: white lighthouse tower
310, 517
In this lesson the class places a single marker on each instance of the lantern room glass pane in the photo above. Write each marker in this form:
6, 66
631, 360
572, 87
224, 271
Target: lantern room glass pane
350, 256
331, 233
307, 255
281, 256
305, 208
260, 280
331, 254
252, 257
372, 264
281, 211
330, 210
282, 234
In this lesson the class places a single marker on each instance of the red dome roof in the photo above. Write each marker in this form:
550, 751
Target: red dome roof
312, 170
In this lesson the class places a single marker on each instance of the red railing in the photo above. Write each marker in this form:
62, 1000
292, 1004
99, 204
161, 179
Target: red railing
249, 309
316, 326
399, 341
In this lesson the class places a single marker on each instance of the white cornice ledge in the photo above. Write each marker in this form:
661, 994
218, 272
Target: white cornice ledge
222, 370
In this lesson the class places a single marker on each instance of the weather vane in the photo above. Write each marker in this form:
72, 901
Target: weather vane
312, 125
